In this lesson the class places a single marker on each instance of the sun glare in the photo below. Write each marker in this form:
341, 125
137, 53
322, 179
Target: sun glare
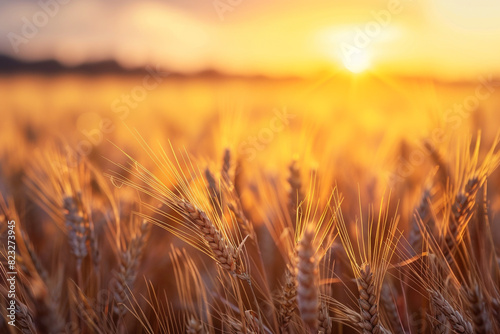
357, 63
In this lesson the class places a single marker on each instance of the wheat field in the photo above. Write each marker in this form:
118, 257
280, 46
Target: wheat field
212, 205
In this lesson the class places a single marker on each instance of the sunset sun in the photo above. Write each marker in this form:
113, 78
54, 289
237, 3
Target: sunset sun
357, 63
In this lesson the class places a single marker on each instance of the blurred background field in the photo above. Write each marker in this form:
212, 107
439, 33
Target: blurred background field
367, 128
363, 122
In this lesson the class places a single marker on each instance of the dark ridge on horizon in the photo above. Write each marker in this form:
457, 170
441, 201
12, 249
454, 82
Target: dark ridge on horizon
13, 66
9, 65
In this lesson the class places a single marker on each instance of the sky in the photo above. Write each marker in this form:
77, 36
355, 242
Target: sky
442, 38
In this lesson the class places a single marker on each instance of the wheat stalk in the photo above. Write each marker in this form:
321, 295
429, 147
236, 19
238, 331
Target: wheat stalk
439, 322
461, 212
226, 255
458, 323
478, 311
368, 300
307, 281
288, 301
194, 326
24, 320
325, 321
128, 268
77, 226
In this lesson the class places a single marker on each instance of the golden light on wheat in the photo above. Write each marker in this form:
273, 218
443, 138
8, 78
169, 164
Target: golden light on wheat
250, 167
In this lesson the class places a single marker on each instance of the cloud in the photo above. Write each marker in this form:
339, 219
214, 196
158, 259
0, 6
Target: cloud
90, 30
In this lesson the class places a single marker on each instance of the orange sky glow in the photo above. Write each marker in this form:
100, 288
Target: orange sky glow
442, 38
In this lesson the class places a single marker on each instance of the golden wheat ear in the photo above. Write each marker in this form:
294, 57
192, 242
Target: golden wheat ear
63, 189
194, 326
287, 300
307, 281
371, 264
24, 319
77, 224
458, 323
325, 321
368, 300
461, 213
478, 311
128, 268
438, 321
226, 255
